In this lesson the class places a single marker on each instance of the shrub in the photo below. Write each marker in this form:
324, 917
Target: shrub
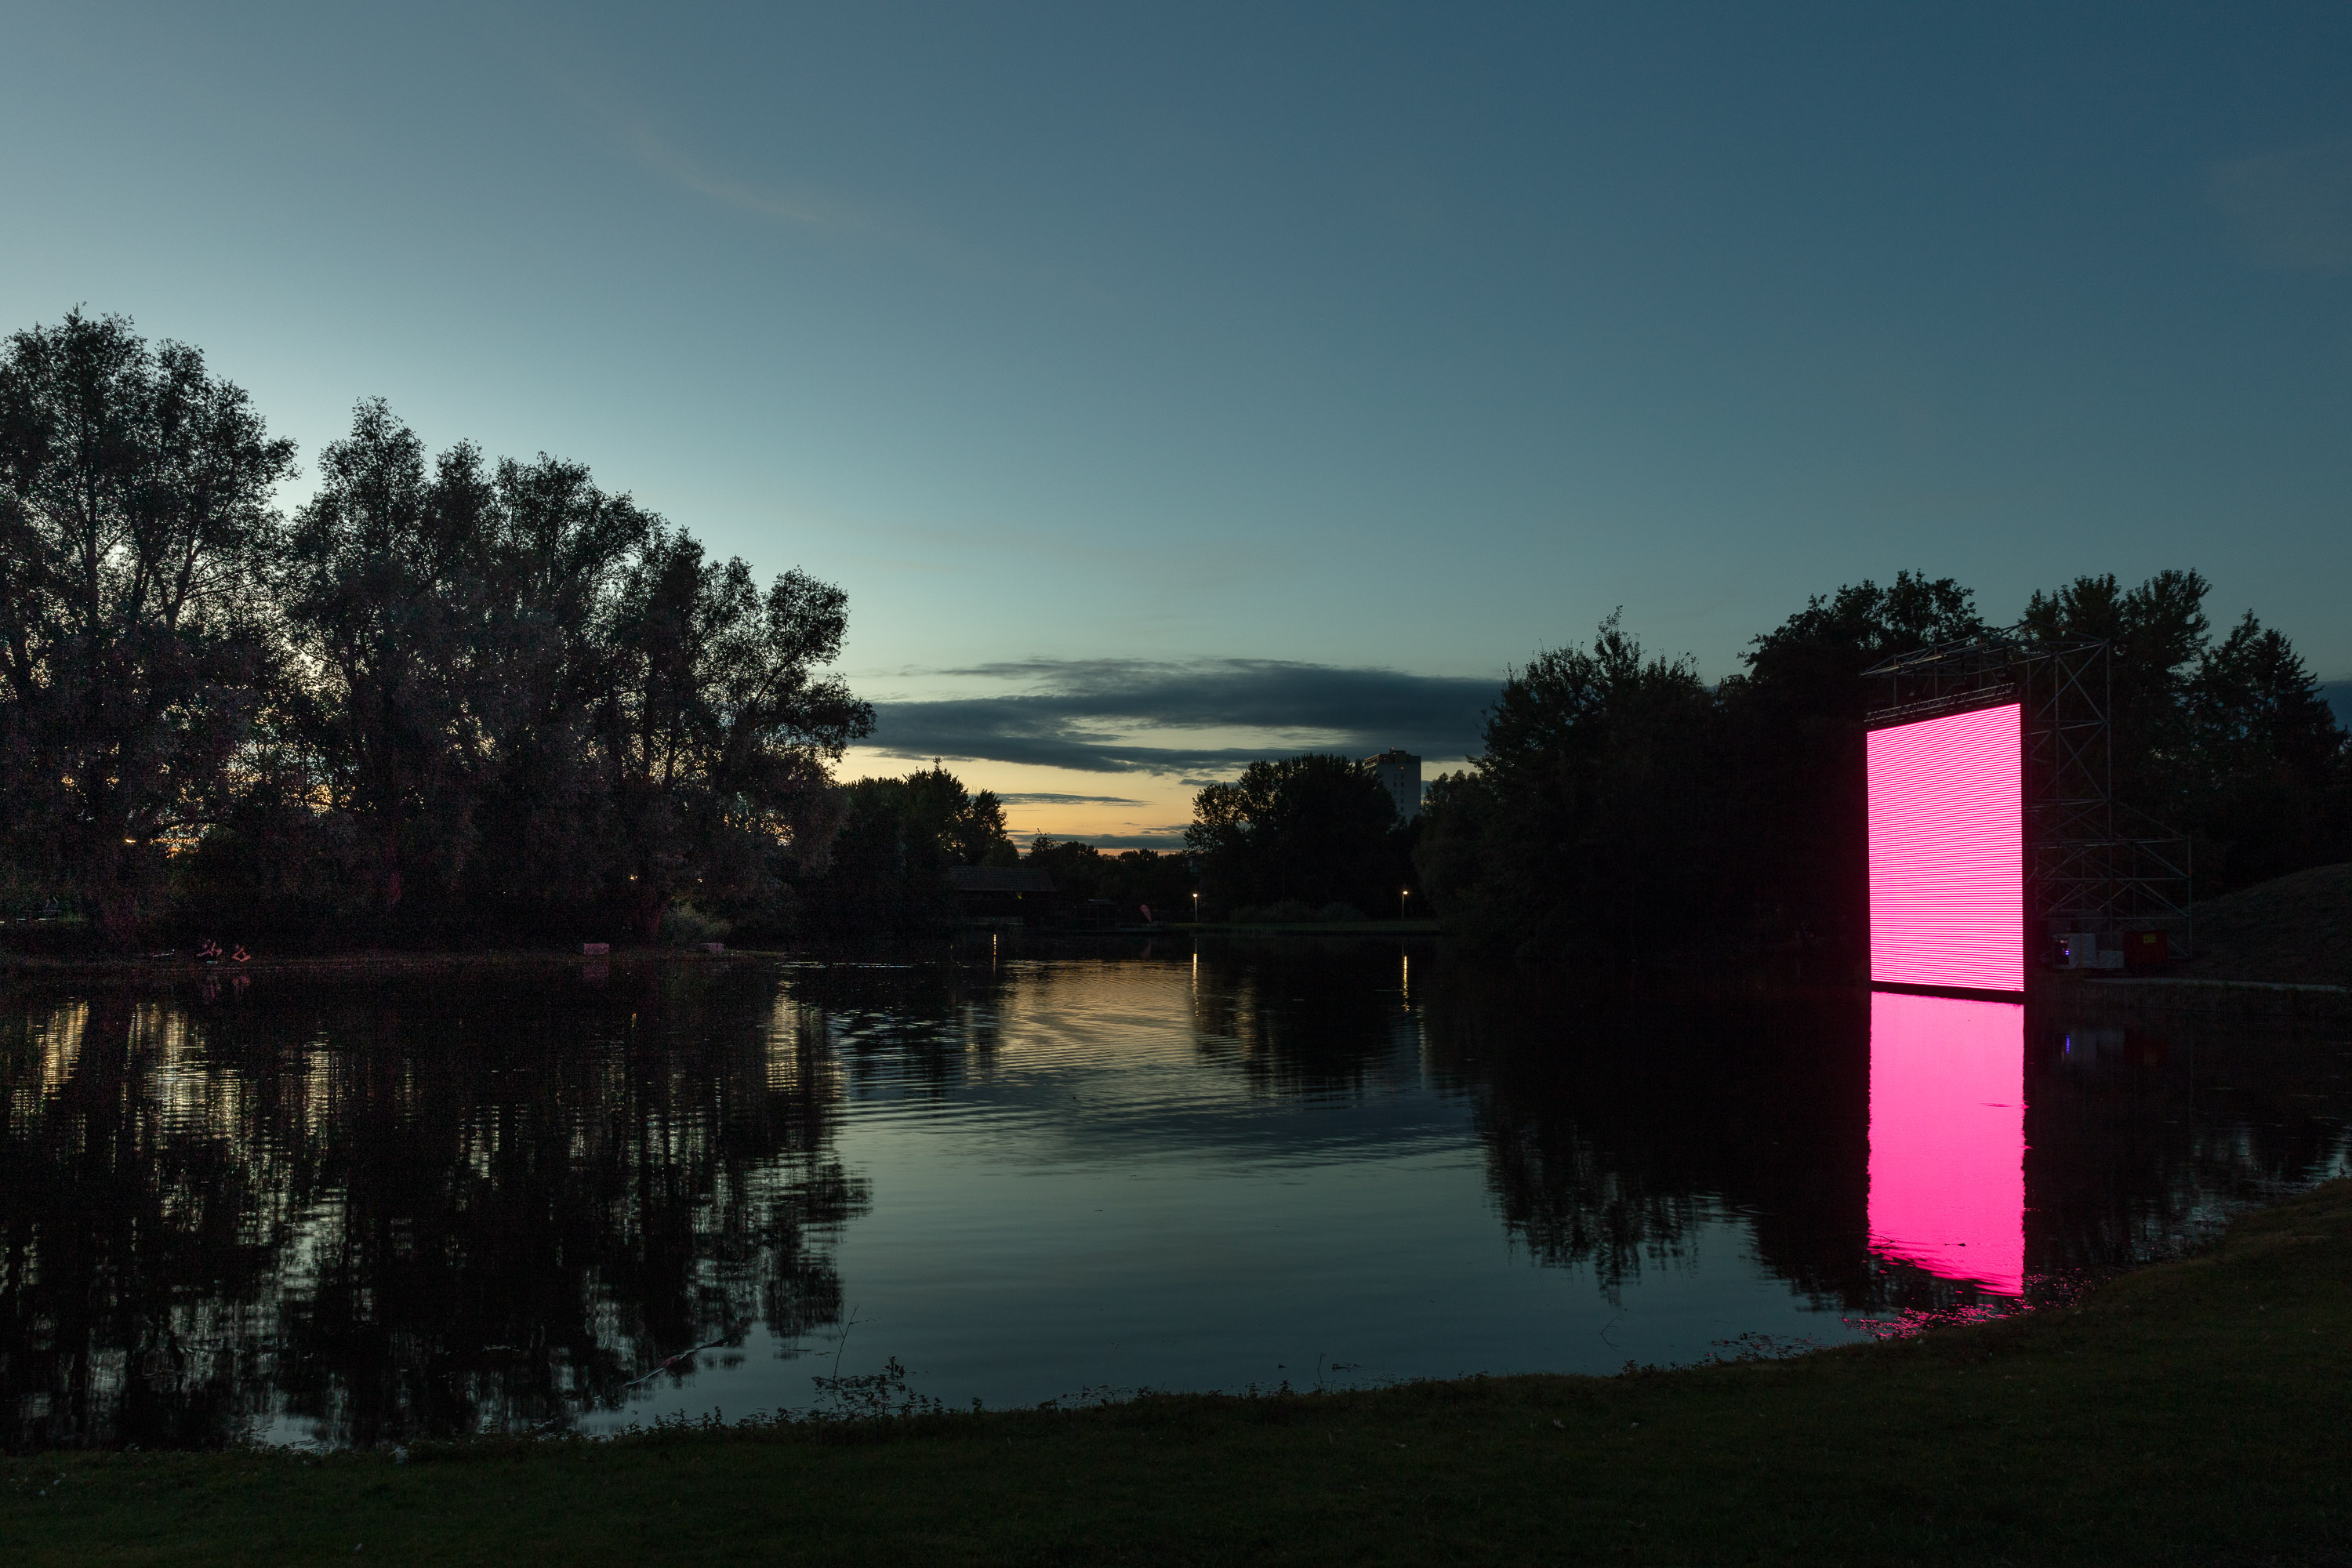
683, 925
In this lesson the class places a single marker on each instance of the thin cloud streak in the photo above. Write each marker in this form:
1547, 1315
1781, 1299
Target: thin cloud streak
653, 150
660, 156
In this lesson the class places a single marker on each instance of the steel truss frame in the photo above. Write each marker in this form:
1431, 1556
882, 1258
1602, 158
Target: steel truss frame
2091, 863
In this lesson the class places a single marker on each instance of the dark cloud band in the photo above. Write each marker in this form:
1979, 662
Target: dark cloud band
1023, 797
1075, 721
1167, 838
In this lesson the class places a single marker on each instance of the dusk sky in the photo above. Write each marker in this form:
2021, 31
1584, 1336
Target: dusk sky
1170, 386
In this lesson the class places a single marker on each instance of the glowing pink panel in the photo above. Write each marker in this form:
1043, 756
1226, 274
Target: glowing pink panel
1947, 1136
1948, 852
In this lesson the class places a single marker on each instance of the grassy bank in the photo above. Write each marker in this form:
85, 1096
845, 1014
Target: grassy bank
2196, 1412
2295, 930
2279, 950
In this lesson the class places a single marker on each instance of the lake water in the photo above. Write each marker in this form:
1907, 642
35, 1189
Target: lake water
360, 1213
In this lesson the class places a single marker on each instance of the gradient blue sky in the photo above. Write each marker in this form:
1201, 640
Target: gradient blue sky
1155, 380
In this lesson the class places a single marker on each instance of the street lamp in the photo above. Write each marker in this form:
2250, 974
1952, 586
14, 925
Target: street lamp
1196, 907
1405, 906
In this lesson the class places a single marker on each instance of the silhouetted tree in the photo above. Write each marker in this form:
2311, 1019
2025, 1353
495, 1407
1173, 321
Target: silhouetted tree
383, 608
2231, 743
2155, 634
970, 824
1131, 879
1794, 751
449, 631
887, 866
451, 690
717, 727
1141, 879
1316, 828
136, 492
2271, 793
1591, 822
551, 561
1618, 806
1076, 868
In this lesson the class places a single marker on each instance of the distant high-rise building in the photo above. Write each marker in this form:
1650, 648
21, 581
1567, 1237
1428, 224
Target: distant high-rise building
1400, 774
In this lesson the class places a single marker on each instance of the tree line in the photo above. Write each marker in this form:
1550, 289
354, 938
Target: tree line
448, 695
444, 693
1307, 838
1621, 806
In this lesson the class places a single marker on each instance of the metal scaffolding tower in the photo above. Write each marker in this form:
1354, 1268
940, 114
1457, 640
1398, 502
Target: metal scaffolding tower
2092, 863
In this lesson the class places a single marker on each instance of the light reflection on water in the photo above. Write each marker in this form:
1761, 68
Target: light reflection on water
361, 1214
1948, 1137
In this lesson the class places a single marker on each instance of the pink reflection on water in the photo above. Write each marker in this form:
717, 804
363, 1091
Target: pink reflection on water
1948, 852
1947, 1136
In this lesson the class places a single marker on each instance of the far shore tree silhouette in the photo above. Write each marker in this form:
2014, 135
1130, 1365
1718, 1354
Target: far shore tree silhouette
449, 699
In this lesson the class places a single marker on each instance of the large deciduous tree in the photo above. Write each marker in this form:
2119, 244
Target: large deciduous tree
550, 565
717, 726
886, 868
2273, 777
454, 632
1316, 828
2155, 635
135, 515
1592, 821
385, 609
1793, 757
2228, 741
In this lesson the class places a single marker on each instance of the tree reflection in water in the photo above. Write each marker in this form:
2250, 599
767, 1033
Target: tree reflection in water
419, 1208
1618, 1120
364, 1214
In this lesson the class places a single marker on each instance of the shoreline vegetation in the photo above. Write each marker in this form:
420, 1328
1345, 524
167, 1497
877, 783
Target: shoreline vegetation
2202, 994
2186, 1412
458, 700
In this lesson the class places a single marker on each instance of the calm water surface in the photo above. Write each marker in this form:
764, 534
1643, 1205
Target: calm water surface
362, 1214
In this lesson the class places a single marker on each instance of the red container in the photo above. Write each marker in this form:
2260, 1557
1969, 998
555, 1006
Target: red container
2145, 950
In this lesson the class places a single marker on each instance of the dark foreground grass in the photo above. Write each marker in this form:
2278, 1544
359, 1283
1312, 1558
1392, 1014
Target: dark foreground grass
2198, 1412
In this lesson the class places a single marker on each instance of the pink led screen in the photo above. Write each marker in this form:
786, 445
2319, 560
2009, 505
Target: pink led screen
1948, 852
1947, 1136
